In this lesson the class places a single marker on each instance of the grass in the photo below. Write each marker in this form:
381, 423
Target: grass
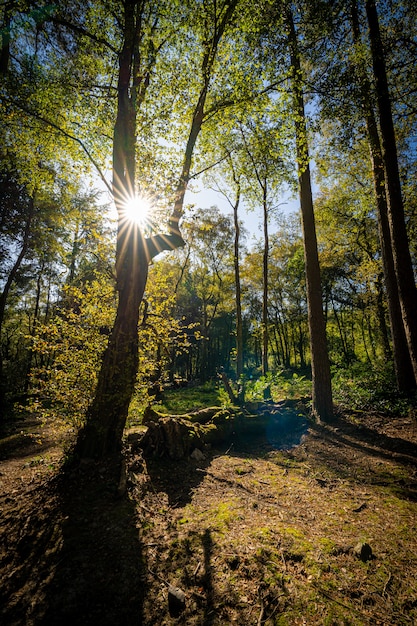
186, 399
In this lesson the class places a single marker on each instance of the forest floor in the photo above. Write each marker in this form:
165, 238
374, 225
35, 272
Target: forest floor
250, 534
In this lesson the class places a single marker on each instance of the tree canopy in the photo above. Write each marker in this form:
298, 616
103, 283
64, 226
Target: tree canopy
107, 103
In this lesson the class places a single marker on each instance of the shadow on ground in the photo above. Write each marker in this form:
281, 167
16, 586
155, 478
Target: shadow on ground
177, 479
79, 555
24, 442
280, 429
358, 452
363, 453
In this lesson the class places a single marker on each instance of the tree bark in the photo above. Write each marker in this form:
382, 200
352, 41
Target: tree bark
6, 289
265, 261
402, 362
396, 217
106, 417
238, 295
320, 365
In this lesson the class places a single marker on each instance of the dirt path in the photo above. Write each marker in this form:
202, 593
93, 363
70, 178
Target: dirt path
251, 536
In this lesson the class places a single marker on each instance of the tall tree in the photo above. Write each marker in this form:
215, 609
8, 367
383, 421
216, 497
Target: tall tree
262, 176
238, 286
266, 173
107, 414
320, 365
12, 193
233, 179
209, 234
400, 245
402, 362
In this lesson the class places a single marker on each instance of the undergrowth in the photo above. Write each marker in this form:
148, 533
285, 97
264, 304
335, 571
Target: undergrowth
365, 387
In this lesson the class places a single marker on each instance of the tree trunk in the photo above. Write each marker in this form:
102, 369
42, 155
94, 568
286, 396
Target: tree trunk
265, 261
238, 297
400, 246
320, 366
402, 362
32, 327
5, 293
106, 417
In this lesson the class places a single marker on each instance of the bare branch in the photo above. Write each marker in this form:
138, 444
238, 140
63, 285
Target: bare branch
209, 167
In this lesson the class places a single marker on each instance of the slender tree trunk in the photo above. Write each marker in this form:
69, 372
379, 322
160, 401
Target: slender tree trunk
74, 253
400, 246
3, 296
382, 320
238, 296
32, 327
263, 184
265, 261
402, 362
12, 275
320, 365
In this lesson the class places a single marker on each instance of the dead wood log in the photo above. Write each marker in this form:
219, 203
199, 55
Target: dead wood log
177, 436
201, 416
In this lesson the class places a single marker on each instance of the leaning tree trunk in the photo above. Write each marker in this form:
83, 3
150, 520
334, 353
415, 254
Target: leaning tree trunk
400, 246
4, 295
322, 388
402, 362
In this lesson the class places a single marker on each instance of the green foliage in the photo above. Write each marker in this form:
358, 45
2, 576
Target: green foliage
58, 111
163, 337
68, 348
283, 385
68, 351
363, 387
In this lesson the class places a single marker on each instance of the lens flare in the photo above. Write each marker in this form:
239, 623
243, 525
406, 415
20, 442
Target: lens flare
137, 210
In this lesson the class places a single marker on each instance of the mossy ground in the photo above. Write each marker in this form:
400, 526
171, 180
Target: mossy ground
252, 535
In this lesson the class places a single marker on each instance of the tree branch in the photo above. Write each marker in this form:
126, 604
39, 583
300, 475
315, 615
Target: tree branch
66, 134
219, 106
83, 31
209, 167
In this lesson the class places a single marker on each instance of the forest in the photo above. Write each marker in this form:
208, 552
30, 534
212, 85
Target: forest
208, 312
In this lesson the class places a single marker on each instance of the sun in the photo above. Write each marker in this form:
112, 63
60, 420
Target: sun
137, 210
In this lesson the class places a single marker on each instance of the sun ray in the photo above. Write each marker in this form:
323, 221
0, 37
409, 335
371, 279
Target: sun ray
137, 209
